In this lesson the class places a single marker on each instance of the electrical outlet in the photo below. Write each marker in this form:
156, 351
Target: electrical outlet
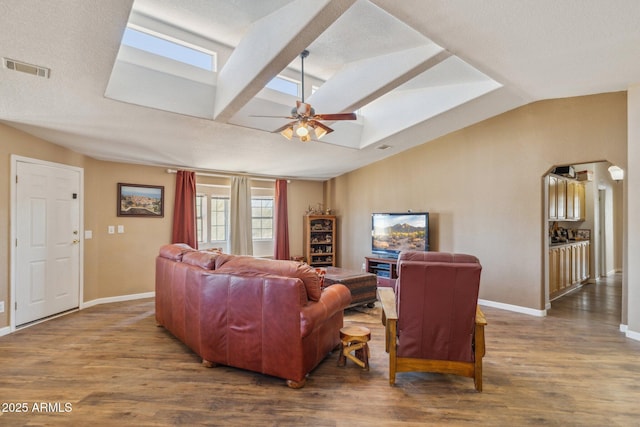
1, 306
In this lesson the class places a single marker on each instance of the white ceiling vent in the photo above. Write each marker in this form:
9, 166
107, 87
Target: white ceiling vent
35, 70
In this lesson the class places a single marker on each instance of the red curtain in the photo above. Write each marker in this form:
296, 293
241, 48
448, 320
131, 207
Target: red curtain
281, 244
184, 211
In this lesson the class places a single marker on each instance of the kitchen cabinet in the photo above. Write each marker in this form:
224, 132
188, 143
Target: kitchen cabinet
568, 267
566, 199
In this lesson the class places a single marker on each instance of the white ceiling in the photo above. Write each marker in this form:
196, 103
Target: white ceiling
414, 69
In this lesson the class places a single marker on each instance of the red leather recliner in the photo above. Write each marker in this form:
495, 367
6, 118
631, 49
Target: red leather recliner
432, 320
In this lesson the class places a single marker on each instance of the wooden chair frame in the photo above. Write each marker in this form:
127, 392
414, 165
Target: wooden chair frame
408, 364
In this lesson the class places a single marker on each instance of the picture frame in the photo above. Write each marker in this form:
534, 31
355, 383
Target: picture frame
144, 201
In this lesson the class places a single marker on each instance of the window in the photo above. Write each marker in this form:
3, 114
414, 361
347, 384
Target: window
175, 50
262, 218
219, 219
212, 219
213, 206
284, 85
201, 216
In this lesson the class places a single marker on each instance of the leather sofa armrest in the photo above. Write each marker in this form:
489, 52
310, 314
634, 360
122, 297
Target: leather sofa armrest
333, 299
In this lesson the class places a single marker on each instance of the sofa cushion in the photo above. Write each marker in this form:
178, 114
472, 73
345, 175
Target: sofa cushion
206, 260
240, 264
175, 251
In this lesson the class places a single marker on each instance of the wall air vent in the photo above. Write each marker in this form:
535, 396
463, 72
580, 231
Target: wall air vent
34, 70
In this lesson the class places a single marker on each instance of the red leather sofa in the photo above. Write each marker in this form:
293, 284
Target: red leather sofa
261, 315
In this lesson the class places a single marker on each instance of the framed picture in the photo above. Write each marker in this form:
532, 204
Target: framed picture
141, 200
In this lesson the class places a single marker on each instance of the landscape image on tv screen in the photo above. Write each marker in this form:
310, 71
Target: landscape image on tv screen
397, 232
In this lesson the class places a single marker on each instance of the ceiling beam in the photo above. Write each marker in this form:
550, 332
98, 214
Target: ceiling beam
268, 47
371, 78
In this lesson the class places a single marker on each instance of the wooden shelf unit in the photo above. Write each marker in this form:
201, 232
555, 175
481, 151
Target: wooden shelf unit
320, 240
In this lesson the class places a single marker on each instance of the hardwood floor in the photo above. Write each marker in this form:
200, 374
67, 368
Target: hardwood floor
113, 366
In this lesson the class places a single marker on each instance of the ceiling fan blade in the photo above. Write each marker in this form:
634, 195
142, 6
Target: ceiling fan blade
339, 116
275, 117
303, 108
280, 129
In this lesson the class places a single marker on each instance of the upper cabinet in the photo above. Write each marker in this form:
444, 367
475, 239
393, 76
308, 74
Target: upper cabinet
566, 199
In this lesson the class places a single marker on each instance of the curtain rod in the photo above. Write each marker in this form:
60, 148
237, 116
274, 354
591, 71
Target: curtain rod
217, 175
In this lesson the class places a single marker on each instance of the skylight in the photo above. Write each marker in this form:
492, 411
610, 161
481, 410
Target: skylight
169, 49
284, 85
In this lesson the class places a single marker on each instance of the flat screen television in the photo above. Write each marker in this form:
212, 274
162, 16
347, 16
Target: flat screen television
392, 233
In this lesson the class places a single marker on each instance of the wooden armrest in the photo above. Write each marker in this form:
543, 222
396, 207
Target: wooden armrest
388, 300
480, 319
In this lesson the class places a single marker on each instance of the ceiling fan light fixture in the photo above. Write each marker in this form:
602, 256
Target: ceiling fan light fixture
302, 130
305, 138
319, 132
287, 133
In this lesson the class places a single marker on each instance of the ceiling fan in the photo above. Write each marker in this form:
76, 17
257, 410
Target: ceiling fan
305, 118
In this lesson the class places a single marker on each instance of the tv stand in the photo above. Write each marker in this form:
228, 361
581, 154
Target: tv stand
385, 269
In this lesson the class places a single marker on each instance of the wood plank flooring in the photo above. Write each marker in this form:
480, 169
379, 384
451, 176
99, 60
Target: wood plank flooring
114, 367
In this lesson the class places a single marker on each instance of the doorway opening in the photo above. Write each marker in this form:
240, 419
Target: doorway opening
583, 228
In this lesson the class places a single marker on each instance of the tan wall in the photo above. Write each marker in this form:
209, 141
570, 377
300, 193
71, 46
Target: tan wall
301, 195
122, 264
483, 187
116, 264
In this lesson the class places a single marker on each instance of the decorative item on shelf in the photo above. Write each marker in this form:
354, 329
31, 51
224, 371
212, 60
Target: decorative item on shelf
318, 210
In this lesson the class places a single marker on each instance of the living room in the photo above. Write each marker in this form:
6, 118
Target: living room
481, 183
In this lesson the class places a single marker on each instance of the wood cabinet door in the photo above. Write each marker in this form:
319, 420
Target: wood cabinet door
553, 197
561, 203
571, 206
554, 279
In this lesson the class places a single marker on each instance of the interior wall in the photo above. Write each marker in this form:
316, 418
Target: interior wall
631, 270
483, 188
116, 264
122, 264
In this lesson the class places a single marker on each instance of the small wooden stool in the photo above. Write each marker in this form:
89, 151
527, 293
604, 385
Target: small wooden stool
354, 339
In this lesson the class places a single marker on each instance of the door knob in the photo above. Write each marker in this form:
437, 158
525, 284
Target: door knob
75, 241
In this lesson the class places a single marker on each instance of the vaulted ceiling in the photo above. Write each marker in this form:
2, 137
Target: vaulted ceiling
412, 70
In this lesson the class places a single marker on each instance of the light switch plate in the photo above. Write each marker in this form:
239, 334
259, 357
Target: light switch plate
120, 229
88, 234
111, 229
1, 306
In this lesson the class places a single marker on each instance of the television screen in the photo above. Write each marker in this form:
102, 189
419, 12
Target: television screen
395, 232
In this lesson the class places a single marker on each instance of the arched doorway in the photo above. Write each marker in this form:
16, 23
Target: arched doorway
583, 235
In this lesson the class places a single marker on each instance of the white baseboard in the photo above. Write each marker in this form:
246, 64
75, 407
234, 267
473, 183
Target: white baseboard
632, 334
5, 331
120, 298
516, 308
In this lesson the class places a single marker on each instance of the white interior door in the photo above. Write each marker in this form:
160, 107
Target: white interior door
47, 279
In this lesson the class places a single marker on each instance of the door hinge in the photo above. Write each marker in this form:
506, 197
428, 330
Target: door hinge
16, 179
15, 306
